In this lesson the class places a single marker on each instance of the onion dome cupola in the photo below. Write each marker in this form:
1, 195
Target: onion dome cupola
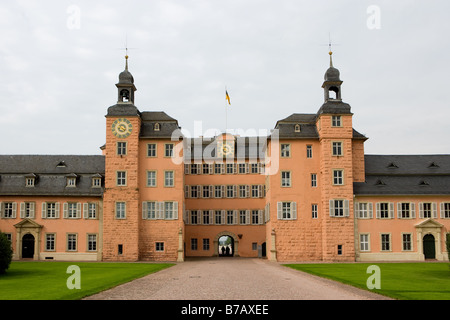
126, 86
332, 83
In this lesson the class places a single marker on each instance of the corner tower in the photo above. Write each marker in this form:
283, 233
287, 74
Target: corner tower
121, 197
335, 129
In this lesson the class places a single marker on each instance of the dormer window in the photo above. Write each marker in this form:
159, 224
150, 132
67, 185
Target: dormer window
392, 166
96, 182
29, 182
71, 182
297, 128
157, 127
433, 165
61, 164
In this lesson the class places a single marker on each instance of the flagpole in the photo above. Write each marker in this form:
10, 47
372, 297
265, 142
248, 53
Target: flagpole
226, 111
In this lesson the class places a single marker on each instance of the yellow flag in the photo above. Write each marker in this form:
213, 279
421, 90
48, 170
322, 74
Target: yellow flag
227, 97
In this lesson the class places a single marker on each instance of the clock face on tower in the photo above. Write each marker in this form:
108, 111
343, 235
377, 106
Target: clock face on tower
225, 149
122, 128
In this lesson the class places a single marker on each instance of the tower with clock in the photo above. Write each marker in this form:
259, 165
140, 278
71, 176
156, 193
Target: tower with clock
121, 197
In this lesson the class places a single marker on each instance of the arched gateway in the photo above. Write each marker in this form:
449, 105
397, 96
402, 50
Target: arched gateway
235, 242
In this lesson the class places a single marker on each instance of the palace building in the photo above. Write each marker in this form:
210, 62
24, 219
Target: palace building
306, 192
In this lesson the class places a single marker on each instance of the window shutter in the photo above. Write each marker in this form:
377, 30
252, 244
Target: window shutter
159, 210
199, 168
434, 208
331, 208
294, 210
211, 191
378, 210
412, 207
370, 209
246, 167
85, 210
222, 168
66, 210
32, 210
247, 191
14, 213
248, 217
79, 210
235, 191
199, 191
175, 210
186, 192
391, 210
58, 209
1, 209
144, 210
399, 210
224, 217
211, 217
442, 210
186, 169
234, 168
22, 210
279, 210
421, 210
187, 216
346, 208
235, 217
224, 194
260, 191
44, 210
211, 168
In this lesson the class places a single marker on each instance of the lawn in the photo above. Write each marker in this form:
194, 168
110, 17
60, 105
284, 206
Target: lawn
403, 281
48, 280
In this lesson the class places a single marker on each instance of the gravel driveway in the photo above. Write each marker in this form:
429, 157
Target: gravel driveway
232, 279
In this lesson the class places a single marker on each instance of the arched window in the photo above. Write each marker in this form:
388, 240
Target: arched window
157, 127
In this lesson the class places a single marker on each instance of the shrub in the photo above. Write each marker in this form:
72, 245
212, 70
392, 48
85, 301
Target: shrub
5, 253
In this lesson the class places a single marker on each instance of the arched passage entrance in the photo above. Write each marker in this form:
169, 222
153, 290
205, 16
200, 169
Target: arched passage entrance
233, 243
226, 246
429, 247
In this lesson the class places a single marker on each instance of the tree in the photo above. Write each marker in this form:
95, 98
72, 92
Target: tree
5, 253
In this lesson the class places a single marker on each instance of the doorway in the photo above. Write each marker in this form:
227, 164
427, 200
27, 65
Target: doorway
429, 247
28, 246
226, 246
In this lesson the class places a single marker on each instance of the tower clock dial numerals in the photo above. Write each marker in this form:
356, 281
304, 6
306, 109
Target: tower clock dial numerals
225, 149
122, 128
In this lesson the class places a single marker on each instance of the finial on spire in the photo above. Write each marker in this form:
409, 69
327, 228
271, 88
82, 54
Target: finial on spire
126, 59
331, 52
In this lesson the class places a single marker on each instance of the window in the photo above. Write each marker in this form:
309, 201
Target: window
205, 168
120, 249
406, 210
9, 210
50, 242
445, 210
339, 249
96, 182
287, 210
120, 210
121, 178
230, 168
29, 182
242, 217
159, 246
406, 242
168, 150
151, 150
50, 210
427, 210
92, 242
71, 210
386, 242
230, 217
230, 191
206, 192
157, 127
364, 210
364, 242
194, 168
383, 210
151, 178
169, 210
336, 121
285, 150
218, 191
121, 148
254, 246
313, 180
337, 148
218, 168
243, 191
285, 178
194, 217
169, 179
71, 242
91, 211
314, 211
205, 244
194, 244
242, 168
255, 217
309, 152
338, 177
255, 191
206, 217
71, 182
149, 211
339, 208
218, 217
27, 210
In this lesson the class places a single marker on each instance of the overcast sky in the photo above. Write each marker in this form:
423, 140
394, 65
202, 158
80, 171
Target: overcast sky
60, 61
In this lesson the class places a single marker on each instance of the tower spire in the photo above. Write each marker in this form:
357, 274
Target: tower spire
330, 51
